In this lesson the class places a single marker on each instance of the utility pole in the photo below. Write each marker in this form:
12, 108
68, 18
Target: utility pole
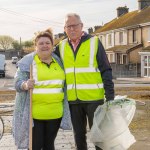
20, 52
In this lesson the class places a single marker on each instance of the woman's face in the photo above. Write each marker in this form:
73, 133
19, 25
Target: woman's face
44, 47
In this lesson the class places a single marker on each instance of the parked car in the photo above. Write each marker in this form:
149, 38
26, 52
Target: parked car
14, 60
2, 65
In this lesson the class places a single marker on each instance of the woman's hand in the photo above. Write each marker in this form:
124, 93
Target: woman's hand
29, 84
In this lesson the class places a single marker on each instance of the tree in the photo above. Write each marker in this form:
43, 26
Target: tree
16, 45
6, 42
28, 44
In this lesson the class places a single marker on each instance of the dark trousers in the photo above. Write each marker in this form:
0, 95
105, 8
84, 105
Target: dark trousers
44, 134
79, 115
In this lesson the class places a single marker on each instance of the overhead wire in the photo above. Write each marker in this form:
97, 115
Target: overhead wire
34, 19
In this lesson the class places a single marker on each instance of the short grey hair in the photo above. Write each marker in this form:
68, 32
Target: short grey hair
72, 15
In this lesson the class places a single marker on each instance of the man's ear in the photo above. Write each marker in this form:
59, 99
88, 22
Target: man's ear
65, 33
64, 29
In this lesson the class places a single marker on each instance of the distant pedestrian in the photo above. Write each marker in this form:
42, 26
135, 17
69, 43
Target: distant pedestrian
88, 76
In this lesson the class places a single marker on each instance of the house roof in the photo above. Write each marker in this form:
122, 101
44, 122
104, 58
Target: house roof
146, 49
122, 48
56, 41
128, 19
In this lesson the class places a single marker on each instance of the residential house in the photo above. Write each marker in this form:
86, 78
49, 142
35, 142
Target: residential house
9, 53
127, 41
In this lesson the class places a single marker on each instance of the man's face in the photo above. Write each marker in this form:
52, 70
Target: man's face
73, 28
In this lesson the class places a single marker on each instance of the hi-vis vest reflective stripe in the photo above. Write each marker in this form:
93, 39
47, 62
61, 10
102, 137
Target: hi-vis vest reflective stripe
48, 90
83, 77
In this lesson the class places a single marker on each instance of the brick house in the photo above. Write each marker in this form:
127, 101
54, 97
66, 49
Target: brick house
127, 41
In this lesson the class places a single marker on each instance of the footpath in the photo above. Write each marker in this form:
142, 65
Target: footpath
137, 80
64, 141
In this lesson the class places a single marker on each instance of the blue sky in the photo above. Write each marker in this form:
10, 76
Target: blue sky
22, 18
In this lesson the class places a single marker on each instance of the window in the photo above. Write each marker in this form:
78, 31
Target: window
121, 58
145, 61
149, 61
120, 37
109, 40
145, 72
110, 57
118, 58
124, 59
134, 36
147, 66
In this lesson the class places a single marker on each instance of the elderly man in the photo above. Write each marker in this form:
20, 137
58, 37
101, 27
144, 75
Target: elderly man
88, 76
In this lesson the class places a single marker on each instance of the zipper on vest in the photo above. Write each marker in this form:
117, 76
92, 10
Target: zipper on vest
75, 75
75, 83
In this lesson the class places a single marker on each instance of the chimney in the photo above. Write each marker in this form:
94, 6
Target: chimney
122, 10
97, 27
143, 3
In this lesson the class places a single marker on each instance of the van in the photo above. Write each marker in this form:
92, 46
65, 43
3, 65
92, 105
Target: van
14, 60
2, 65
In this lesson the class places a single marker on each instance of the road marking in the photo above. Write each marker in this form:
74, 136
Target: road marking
10, 84
11, 88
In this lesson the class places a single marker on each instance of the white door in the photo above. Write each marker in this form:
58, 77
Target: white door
146, 66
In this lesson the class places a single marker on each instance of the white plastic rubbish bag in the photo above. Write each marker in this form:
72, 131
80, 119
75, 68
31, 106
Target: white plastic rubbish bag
110, 124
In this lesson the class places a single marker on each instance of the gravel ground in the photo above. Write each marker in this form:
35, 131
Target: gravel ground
140, 125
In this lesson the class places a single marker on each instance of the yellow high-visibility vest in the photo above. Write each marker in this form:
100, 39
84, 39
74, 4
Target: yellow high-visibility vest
48, 92
83, 77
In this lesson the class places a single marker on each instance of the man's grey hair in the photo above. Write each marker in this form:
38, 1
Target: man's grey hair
72, 15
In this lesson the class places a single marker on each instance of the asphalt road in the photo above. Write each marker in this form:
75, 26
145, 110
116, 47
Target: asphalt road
8, 81
10, 69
